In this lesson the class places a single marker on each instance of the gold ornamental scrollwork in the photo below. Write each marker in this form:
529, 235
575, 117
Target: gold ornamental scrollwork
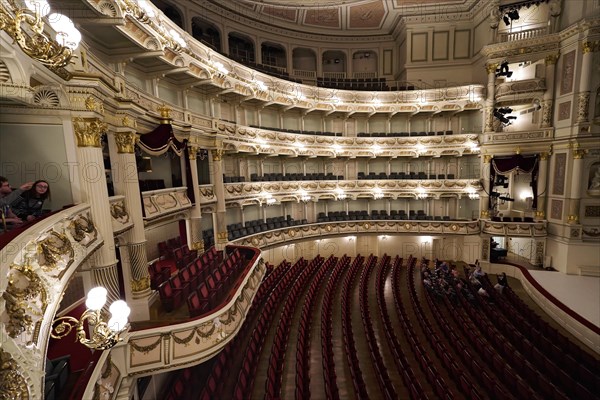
579, 153
25, 298
55, 249
148, 348
89, 131
83, 230
125, 142
12, 382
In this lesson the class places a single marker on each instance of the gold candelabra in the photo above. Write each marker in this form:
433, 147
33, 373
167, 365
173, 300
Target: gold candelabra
26, 27
103, 335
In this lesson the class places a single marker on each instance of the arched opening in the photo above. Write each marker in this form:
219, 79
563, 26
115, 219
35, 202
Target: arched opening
206, 33
273, 55
364, 64
334, 64
241, 48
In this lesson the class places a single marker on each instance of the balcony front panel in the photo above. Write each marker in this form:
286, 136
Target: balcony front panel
318, 230
153, 350
121, 221
525, 229
162, 202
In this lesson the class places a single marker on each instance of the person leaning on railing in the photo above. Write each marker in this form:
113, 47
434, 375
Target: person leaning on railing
7, 196
29, 205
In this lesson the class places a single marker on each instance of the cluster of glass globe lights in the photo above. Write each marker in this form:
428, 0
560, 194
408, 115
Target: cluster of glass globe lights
103, 335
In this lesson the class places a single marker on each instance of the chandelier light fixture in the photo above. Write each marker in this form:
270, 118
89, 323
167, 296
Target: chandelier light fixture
421, 194
339, 194
103, 335
377, 194
304, 196
25, 25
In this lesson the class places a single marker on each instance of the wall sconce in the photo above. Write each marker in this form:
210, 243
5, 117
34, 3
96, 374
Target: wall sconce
421, 194
104, 335
26, 27
304, 196
339, 194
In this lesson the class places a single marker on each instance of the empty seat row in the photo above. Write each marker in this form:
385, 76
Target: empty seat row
403, 175
404, 134
276, 176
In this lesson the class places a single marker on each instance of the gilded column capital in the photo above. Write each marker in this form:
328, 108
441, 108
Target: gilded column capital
551, 59
573, 219
217, 154
192, 152
587, 47
517, 150
544, 156
165, 114
126, 142
88, 131
540, 214
487, 158
579, 153
491, 68
198, 246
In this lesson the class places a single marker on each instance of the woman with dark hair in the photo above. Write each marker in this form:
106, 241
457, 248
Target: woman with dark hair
29, 204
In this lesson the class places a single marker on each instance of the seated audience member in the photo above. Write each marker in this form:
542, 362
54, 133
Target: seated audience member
483, 293
29, 205
502, 282
478, 273
7, 195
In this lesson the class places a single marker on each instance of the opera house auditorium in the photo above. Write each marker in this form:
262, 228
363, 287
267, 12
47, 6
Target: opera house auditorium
296, 199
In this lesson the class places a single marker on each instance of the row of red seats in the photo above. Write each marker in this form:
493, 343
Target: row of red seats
403, 365
348, 331
211, 290
383, 377
179, 286
245, 382
334, 281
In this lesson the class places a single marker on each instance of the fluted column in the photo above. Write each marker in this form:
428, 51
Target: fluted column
488, 115
221, 225
484, 199
585, 82
575, 197
540, 212
194, 226
548, 101
89, 129
134, 256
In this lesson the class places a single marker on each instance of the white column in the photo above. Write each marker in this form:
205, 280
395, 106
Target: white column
575, 195
488, 122
133, 246
485, 175
88, 131
585, 82
548, 101
194, 226
540, 212
221, 224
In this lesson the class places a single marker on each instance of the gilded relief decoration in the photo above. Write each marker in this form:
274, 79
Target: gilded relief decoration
556, 209
26, 301
560, 165
82, 229
568, 70
55, 252
12, 381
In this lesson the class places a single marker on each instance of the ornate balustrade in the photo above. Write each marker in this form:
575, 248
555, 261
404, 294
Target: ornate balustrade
162, 202
387, 227
528, 229
521, 35
261, 141
35, 268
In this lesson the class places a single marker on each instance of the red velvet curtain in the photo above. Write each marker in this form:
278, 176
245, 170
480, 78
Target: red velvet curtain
160, 140
517, 163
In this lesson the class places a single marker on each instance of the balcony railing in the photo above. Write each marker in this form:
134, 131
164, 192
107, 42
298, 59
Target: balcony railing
522, 35
515, 88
